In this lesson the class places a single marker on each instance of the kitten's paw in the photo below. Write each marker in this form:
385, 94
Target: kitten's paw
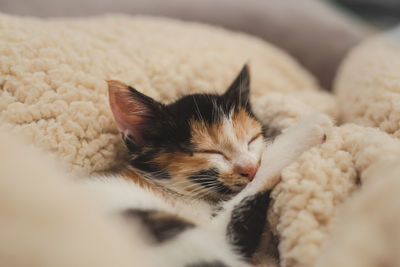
308, 132
313, 129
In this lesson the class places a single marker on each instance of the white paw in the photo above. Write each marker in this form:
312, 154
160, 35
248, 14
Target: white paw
310, 131
313, 129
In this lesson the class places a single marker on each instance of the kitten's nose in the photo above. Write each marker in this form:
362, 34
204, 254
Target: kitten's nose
248, 171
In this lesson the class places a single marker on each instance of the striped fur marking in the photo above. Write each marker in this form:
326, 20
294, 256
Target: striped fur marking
132, 175
145, 162
162, 225
207, 264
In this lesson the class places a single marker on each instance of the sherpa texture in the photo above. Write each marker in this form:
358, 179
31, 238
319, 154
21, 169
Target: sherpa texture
366, 233
368, 84
312, 190
308, 201
52, 90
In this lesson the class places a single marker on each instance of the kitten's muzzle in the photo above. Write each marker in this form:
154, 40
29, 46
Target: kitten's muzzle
246, 165
248, 171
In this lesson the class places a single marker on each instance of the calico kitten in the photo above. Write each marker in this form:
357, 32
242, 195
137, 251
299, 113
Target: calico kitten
203, 145
200, 173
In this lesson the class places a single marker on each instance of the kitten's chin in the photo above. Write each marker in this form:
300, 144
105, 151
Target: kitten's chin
236, 188
211, 195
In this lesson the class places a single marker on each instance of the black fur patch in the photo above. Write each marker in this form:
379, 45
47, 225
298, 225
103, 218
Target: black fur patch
247, 223
270, 133
166, 128
162, 225
209, 179
144, 163
238, 93
170, 127
217, 210
207, 264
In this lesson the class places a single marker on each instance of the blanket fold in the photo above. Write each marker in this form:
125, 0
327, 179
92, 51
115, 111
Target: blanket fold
53, 92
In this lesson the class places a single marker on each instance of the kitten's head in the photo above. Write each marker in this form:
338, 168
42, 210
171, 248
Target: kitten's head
202, 145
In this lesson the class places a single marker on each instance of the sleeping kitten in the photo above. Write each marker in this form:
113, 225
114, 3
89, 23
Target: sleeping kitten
200, 173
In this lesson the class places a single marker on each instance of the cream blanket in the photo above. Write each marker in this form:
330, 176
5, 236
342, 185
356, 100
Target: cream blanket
53, 91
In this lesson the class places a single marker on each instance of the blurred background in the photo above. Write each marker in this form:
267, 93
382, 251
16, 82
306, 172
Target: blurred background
318, 33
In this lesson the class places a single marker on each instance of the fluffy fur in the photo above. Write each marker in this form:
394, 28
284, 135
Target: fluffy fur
229, 237
203, 146
53, 90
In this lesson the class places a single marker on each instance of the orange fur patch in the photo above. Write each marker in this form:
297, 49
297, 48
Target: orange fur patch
212, 137
207, 139
132, 175
244, 125
181, 165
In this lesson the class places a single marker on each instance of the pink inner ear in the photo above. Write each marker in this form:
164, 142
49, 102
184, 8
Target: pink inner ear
128, 111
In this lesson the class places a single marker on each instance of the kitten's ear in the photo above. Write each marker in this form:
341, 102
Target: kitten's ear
137, 115
239, 91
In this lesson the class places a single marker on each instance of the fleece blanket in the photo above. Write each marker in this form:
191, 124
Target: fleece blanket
53, 93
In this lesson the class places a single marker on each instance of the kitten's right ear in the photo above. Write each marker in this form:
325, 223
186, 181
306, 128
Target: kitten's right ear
136, 114
239, 91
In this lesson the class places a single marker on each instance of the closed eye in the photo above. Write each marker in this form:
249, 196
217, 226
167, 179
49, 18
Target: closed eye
254, 138
211, 151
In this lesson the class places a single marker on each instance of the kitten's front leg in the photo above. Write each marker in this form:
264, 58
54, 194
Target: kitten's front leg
244, 216
310, 131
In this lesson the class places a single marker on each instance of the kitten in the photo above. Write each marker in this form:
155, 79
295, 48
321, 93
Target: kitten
200, 173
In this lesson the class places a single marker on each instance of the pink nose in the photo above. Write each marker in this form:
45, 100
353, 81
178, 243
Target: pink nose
248, 171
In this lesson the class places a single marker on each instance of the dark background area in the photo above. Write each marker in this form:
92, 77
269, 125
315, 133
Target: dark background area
381, 13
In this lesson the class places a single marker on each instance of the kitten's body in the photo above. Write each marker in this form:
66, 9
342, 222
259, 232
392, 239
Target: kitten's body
197, 191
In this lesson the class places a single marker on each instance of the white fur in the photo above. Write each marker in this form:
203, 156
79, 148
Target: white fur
116, 193
284, 150
207, 242
244, 155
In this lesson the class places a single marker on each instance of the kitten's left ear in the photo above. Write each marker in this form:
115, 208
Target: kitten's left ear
138, 116
239, 91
